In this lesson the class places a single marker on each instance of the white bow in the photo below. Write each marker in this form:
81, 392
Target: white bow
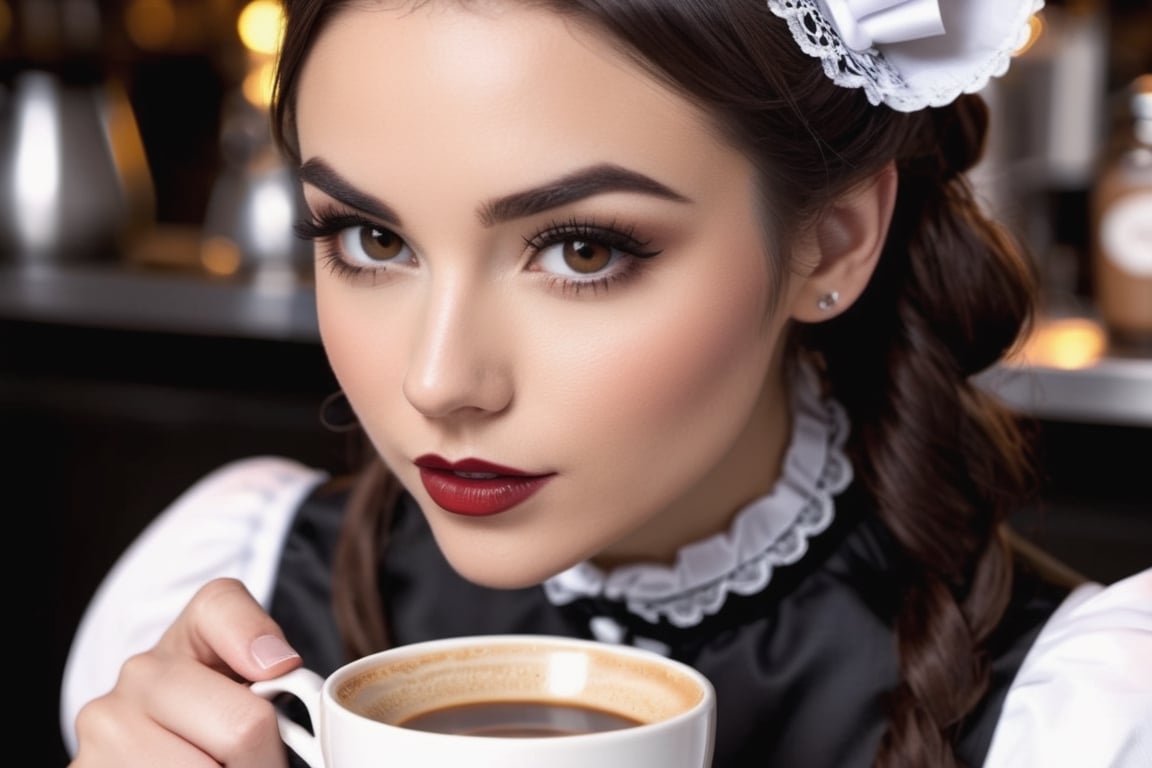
865, 23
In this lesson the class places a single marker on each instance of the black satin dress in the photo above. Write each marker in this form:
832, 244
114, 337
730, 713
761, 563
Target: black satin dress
801, 669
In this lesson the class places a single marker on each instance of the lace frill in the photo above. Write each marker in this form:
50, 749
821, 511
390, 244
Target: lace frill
769, 532
909, 76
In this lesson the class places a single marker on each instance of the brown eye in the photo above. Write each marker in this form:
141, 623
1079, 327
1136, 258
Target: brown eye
372, 247
586, 258
380, 244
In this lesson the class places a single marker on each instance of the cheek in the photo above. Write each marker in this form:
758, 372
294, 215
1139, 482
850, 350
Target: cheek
693, 359
619, 380
366, 362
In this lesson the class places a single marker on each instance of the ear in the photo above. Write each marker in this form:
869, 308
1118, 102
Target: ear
844, 246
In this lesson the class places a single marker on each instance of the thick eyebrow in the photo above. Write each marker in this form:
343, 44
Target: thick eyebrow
319, 174
587, 182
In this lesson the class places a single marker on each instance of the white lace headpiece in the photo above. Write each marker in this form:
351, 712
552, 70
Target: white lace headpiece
910, 54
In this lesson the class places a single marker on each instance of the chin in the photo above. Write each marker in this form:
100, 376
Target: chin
501, 575
486, 568
504, 553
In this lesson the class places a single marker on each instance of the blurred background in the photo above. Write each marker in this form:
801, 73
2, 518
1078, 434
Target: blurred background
156, 315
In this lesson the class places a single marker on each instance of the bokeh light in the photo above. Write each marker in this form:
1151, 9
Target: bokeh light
258, 84
151, 24
220, 256
260, 26
1066, 343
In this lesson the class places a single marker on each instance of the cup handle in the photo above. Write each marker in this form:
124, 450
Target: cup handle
305, 685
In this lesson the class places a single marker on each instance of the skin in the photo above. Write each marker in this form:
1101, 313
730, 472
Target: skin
181, 704
657, 400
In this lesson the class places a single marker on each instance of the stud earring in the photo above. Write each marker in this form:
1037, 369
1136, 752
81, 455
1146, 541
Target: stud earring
828, 300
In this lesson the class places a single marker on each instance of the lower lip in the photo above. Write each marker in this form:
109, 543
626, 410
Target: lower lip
478, 497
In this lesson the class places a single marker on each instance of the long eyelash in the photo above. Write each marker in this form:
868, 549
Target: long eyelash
323, 227
620, 237
327, 222
613, 235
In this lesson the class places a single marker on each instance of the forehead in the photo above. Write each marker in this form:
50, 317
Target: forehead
455, 75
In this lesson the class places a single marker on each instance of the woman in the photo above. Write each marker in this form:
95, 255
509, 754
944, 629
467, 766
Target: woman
660, 317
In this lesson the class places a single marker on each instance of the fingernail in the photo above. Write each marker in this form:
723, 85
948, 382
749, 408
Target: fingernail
269, 650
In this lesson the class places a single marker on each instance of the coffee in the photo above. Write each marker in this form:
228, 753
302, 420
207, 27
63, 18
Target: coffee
524, 719
422, 704
589, 676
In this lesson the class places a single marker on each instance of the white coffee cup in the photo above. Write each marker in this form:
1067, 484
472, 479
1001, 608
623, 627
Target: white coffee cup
361, 713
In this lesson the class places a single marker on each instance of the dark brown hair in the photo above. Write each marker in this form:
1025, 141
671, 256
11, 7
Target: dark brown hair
942, 462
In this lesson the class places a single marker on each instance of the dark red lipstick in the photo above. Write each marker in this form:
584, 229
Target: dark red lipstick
475, 487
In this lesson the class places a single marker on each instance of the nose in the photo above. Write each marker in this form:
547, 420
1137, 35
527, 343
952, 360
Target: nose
459, 362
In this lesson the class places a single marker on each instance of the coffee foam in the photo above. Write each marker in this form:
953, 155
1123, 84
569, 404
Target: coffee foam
396, 690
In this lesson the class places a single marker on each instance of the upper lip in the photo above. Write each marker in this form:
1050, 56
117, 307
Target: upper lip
432, 461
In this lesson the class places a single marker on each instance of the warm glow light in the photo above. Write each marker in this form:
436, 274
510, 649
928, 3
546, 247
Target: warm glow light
5, 20
1069, 343
151, 24
220, 256
124, 134
1035, 29
258, 84
260, 26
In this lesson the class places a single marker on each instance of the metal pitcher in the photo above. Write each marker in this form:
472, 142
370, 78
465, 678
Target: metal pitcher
74, 181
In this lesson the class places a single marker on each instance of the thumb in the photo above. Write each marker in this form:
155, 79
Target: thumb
224, 627
273, 655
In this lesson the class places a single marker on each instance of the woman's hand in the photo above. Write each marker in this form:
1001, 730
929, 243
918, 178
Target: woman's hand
186, 701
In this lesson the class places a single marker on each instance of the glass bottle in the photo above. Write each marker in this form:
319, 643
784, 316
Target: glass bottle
1122, 216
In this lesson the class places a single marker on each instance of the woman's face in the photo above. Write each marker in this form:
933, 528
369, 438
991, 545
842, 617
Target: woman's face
533, 256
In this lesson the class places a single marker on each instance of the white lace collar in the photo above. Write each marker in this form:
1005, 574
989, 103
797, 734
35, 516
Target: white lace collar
772, 530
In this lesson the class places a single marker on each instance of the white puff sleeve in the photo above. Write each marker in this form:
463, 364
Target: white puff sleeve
230, 523
1083, 697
